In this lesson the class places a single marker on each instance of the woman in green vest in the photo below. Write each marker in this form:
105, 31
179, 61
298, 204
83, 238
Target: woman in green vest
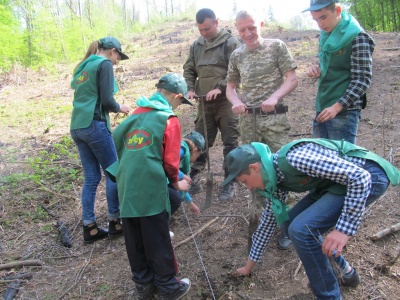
342, 179
95, 86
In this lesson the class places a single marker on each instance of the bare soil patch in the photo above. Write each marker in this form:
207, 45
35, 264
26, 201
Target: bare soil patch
101, 270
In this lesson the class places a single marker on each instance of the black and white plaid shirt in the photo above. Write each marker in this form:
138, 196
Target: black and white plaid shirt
360, 71
318, 161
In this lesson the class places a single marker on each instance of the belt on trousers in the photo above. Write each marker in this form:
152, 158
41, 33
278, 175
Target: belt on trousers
256, 109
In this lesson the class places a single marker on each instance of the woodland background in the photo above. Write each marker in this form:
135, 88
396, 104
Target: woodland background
41, 33
41, 175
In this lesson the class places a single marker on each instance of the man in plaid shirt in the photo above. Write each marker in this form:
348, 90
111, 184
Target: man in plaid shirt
344, 72
342, 179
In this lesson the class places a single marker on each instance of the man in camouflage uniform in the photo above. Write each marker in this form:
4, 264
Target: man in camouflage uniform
205, 72
266, 73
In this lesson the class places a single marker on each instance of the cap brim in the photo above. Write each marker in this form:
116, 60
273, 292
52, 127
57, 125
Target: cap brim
228, 179
316, 7
123, 55
186, 101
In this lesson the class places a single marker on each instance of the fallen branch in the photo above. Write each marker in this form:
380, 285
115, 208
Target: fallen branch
385, 232
47, 210
222, 216
196, 233
390, 49
297, 269
26, 275
23, 263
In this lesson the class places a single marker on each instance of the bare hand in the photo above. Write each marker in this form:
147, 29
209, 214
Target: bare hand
329, 113
124, 109
187, 178
269, 104
181, 185
335, 240
243, 271
239, 108
194, 209
211, 95
314, 71
191, 95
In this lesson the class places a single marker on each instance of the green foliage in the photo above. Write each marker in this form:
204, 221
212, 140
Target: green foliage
43, 33
11, 39
380, 15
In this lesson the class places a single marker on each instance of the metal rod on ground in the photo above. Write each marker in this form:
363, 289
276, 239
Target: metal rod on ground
253, 224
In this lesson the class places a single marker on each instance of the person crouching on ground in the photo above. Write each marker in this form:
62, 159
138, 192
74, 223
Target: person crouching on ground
148, 145
342, 179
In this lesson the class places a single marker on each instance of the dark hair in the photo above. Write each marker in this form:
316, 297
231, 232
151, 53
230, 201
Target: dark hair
203, 14
331, 7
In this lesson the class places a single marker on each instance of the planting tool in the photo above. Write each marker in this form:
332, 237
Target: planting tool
254, 216
209, 180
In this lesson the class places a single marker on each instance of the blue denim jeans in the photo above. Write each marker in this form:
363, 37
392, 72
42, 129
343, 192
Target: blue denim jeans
343, 127
96, 148
310, 218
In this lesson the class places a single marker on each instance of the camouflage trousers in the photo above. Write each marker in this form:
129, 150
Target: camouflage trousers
272, 130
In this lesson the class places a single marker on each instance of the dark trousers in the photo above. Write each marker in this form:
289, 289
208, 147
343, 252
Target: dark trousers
175, 199
150, 251
219, 116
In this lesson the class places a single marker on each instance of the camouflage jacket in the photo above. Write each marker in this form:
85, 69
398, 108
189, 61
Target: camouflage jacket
207, 64
260, 71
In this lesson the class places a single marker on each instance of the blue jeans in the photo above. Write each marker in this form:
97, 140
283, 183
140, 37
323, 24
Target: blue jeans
311, 217
343, 127
96, 148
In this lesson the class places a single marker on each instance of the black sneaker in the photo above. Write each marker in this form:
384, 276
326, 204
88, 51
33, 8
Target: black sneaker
93, 233
115, 228
146, 291
227, 192
179, 292
352, 280
284, 243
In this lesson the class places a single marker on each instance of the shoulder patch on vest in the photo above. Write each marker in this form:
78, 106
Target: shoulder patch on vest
82, 78
138, 139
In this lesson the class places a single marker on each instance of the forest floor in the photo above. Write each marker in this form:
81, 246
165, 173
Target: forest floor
41, 180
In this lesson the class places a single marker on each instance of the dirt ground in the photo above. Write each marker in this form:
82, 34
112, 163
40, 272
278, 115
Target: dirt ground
101, 270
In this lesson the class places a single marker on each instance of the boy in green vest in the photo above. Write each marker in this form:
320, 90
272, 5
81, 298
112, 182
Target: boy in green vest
148, 145
344, 72
342, 179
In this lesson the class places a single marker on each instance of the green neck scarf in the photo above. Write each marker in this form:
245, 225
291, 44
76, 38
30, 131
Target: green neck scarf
330, 43
157, 101
279, 209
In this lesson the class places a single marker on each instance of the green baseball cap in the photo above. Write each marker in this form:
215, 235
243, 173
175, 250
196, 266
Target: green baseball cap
197, 139
110, 42
319, 4
174, 83
239, 160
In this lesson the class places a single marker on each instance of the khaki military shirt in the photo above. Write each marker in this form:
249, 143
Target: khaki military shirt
260, 71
